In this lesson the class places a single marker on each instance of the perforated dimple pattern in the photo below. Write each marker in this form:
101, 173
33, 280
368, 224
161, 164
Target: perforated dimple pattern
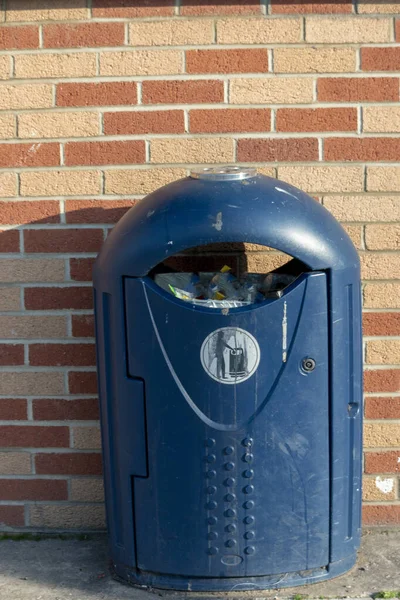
229, 507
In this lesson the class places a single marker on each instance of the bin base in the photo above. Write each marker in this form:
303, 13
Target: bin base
231, 584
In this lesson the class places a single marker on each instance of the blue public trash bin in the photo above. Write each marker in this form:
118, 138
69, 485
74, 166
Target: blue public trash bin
231, 437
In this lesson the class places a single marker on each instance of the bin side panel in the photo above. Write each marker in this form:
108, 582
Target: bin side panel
346, 413
122, 406
226, 497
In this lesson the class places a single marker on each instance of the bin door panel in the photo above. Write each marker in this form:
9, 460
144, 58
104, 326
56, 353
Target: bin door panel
204, 348
238, 479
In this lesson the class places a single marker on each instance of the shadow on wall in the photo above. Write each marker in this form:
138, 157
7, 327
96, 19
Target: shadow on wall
46, 273
188, 7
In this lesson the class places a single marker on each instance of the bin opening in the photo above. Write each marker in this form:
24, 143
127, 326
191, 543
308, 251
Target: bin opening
227, 275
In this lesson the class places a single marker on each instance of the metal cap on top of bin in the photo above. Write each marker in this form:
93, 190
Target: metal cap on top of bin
230, 401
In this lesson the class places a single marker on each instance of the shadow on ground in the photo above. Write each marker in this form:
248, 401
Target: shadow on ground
71, 569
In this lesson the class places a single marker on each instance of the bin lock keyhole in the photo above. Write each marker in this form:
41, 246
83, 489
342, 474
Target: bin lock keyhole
308, 364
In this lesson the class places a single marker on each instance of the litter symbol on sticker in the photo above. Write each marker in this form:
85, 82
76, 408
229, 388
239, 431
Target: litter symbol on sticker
230, 355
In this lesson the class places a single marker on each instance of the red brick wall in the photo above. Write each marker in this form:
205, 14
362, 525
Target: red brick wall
103, 101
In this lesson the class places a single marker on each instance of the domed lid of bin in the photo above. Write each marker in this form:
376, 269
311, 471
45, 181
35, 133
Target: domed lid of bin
225, 204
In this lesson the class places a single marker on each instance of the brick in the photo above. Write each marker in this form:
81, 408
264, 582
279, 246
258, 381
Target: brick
29, 155
86, 438
34, 436
8, 185
361, 149
380, 59
60, 355
60, 183
314, 60
380, 435
25, 270
9, 299
63, 240
272, 150
171, 33
383, 179
80, 516
323, 178
227, 61
397, 28
96, 94
228, 120
381, 323
9, 241
32, 327
347, 30
81, 269
382, 380
141, 62
12, 516
31, 383
82, 382
289, 90
379, 488
30, 95
48, 409
382, 408
181, 150
139, 122
263, 262
7, 126
381, 514
58, 298
258, 31
316, 119
364, 208
105, 153
33, 489
381, 119
182, 92
378, 265
383, 352
15, 463
382, 462
80, 35
379, 7
25, 212
127, 9
382, 237
96, 211
11, 354
58, 124
5, 67
82, 325
212, 8
74, 64
356, 235
19, 38
68, 463
139, 181
197, 263
355, 232
13, 409
357, 89
310, 6
86, 490
46, 10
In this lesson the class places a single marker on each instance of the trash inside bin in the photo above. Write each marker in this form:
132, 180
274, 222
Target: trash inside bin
222, 289
230, 400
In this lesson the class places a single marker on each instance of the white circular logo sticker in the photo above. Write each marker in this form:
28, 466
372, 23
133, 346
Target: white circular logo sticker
230, 355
